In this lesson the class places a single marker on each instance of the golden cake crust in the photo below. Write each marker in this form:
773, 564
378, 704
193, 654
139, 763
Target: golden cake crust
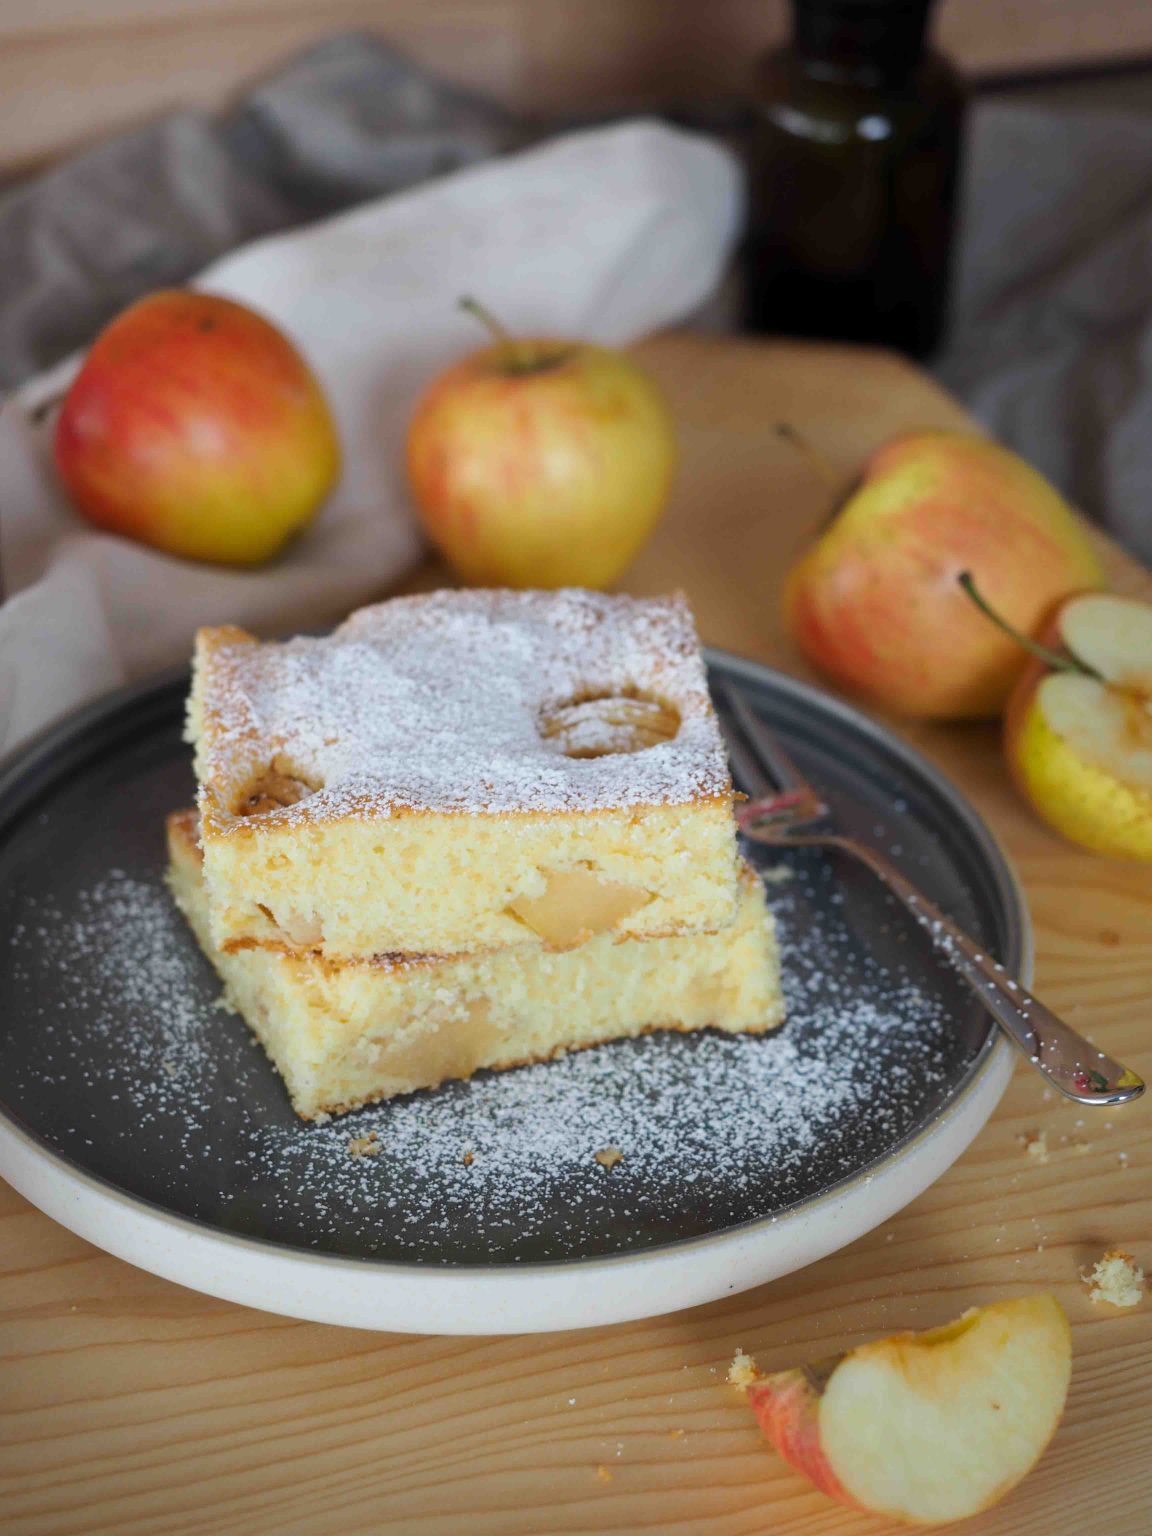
489, 703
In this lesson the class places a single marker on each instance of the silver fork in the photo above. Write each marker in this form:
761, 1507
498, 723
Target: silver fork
784, 804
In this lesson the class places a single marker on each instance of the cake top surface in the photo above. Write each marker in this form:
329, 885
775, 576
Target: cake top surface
476, 702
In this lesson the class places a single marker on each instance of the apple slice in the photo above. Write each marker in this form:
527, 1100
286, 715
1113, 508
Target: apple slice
577, 904
926, 1427
1079, 736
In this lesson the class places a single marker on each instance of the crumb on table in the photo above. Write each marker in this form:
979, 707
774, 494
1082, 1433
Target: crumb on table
743, 1371
608, 1157
604, 1474
1116, 1279
1035, 1144
363, 1146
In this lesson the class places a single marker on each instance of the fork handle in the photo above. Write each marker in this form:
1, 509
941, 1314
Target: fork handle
1069, 1062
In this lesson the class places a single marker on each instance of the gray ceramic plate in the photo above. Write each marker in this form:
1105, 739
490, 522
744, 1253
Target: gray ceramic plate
129, 1099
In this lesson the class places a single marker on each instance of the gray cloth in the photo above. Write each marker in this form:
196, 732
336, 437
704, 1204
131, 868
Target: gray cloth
1051, 339
1052, 331
347, 121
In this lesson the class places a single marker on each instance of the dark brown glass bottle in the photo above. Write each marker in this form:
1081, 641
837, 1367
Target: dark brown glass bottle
853, 178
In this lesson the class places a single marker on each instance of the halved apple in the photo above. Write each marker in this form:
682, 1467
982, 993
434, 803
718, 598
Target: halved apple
1079, 737
926, 1427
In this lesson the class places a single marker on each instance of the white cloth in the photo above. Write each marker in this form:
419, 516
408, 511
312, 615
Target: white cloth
605, 234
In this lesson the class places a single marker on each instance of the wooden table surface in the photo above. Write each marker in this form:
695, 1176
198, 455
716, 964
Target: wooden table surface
130, 1405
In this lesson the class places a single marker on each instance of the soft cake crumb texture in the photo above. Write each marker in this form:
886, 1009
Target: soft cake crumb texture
345, 1035
433, 809
1117, 1279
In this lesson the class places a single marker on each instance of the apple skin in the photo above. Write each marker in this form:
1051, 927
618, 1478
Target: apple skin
549, 476
864, 1415
787, 1409
1077, 798
875, 602
195, 426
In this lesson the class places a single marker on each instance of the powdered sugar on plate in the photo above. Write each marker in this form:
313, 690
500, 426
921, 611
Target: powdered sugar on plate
156, 1087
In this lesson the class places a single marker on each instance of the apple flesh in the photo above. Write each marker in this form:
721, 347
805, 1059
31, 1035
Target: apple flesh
541, 463
927, 1427
875, 603
1079, 745
194, 425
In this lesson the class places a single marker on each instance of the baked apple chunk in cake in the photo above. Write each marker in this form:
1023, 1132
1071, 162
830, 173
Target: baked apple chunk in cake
347, 1033
463, 771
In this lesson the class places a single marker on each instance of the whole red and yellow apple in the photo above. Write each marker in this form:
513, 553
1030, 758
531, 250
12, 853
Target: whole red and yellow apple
540, 462
875, 603
194, 425
926, 1427
1078, 731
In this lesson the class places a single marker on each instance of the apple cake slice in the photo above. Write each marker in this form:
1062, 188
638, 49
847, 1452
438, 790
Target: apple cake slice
463, 771
342, 1034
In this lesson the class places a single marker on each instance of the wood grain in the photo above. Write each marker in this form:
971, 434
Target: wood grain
129, 1406
71, 70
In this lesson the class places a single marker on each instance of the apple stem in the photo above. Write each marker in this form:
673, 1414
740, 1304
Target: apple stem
517, 357
481, 312
823, 466
1059, 661
44, 408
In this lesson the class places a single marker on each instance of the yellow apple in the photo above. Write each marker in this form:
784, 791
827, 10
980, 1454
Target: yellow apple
539, 462
926, 1427
1079, 739
194, 425
874, 603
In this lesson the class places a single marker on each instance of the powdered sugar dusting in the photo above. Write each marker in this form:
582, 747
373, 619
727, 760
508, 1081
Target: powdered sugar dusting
160, 1088
435, 703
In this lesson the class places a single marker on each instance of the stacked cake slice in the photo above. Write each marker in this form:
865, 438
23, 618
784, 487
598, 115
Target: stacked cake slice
466, 830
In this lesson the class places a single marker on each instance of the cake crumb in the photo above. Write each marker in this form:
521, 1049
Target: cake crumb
608, 1157
363, 1146
778, 874
675, 1434
469, 1158
604, 1474
743, 1371
1035, 1144
1116, 1279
